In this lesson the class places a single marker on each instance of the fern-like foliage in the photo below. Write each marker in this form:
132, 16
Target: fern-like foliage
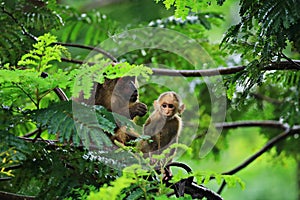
183, 8
13, 152
262, 22
87, 75
24, 86
75, 123
263, 34
91, 28
43, 53
20, 21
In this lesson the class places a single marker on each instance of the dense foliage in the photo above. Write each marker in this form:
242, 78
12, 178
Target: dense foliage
48, 47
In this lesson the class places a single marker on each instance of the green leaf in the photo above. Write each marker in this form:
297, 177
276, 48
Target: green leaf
43, 53
61, 119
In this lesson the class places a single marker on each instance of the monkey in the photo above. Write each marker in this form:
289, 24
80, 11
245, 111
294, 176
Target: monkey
164, 124
120, 96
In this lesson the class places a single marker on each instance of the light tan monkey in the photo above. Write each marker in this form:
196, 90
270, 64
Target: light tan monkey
164, 124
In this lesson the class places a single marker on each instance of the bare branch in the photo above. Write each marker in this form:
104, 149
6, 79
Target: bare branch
288, 132
5, 179
25, 32
266, 98
283, 65
273, 124
198, 73
12, 196
32, 133
97, 49
60, 93
268, 146
80, 62
222, 187
290, 60
267, 123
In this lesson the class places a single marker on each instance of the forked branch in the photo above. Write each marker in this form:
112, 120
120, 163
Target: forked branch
287, 131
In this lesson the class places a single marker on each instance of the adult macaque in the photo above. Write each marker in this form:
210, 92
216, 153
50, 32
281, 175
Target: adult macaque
164, 124
119, 96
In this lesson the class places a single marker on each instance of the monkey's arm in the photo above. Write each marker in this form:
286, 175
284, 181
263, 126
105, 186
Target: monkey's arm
137, 109
127, 109
124, 134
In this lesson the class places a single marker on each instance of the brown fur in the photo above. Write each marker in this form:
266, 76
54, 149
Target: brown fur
164, 124
119, 96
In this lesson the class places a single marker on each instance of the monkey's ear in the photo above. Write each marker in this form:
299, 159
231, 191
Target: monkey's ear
181, 109
155, 105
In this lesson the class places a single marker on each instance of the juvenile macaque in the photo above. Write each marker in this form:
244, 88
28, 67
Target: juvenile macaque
119, 96
164, 124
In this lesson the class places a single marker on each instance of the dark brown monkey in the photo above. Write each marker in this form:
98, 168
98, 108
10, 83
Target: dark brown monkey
164, 124
119, 96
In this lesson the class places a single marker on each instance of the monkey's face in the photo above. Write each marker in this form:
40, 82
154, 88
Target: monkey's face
167, 109
126, 89
168, 106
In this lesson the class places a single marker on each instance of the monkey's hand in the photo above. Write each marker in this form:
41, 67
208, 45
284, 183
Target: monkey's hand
137, 109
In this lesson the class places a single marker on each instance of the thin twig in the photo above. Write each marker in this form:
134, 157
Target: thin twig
266, 98
252, 123
271, 143
197, 73
222, 187
32, 133
5, 179
60, 93
27, 94
97, 49
264, 149
13, 196
25, 32
290, 60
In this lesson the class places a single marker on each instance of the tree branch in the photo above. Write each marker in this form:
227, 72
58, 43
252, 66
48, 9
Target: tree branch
80, 62
271, 143
25, 32
266, 98
32, 133
12, 196
286, 133
266, 123
290, 60
283, 65
268, 146
97, 49
5, 179
60, 93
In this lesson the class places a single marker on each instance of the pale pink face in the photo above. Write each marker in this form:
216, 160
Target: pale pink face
168, 105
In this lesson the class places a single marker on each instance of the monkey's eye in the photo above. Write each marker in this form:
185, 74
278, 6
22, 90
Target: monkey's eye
167, 105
